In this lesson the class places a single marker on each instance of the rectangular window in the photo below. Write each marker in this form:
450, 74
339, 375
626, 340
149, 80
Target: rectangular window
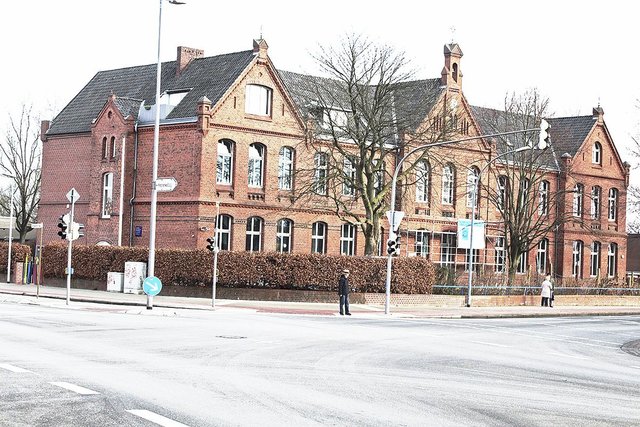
447, 185
347, 239
578, 191
320, 174
448, 249
576, 270
595, 202
523, 262
107, 195
254, 234
476, 260
594, 269
225, 162
283, 235
285, 168
258, 100
612, 260
541, 256
422, 243
500, 254
613, 204
223, 232
543, 206
348, 177
318, 238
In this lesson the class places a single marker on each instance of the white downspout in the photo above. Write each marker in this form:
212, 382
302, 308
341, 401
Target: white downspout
124, 140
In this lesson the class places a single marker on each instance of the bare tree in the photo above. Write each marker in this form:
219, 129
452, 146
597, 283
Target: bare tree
362, 118
20, 159
520, 186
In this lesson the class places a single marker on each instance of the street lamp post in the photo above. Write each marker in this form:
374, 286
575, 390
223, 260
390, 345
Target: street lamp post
154, 173
543, 137
10, 234
474, 201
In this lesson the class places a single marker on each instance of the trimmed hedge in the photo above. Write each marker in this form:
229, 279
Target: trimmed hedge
243, 269
18, 254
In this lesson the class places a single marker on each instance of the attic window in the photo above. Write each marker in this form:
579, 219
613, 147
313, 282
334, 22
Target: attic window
596, 153
173, 97
258, 100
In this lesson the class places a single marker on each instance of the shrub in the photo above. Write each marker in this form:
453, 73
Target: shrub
180, 267
19, 253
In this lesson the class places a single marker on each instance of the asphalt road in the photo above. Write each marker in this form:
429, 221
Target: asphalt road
199, 368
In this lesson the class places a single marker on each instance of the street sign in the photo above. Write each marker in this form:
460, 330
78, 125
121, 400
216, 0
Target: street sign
395, 218
166, 184
73, 195
152, 286
464, 234
37, 225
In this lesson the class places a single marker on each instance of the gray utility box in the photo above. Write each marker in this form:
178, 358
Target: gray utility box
115, 282
134, 275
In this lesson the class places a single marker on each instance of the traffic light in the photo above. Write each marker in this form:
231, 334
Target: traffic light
544, 135
393, 244
212, 243
76, 230
63, 224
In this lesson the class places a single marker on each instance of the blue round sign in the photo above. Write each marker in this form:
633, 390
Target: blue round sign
152, 286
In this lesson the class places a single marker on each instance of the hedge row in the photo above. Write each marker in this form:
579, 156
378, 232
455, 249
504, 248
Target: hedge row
18, 254
243, 269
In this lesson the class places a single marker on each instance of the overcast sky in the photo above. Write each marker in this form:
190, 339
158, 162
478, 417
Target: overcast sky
575, 53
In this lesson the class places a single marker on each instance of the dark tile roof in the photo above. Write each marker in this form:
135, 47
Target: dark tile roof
209, 77
128, 106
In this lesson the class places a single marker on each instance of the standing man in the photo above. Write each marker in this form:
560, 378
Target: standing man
343, 292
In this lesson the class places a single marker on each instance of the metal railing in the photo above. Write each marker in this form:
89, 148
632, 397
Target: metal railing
532, 290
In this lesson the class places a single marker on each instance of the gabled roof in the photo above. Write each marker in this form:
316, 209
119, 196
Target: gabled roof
128, 106
208, 77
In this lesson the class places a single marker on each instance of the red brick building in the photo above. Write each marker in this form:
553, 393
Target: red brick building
233, 131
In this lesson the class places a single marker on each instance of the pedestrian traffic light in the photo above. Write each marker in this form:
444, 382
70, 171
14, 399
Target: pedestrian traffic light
544, 135
212, 243
63, 224
392, 243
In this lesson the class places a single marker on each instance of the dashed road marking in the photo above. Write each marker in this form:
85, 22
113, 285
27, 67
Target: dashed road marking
74, 388
568, 355
12, 368
155, 418
491, 343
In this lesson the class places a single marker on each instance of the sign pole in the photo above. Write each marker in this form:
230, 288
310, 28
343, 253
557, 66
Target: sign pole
215, 256
73, 196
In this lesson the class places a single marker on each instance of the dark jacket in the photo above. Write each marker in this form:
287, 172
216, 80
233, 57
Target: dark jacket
343, 285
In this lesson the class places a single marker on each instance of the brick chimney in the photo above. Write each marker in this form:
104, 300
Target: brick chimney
185, 56
44, 127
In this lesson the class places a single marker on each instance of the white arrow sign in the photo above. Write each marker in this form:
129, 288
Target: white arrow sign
166, 184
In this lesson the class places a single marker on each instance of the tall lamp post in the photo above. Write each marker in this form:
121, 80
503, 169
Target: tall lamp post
10, 232
154, 173
544, 137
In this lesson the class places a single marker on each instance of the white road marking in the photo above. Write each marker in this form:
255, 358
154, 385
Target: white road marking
637, 367
568, 355
74, 388
155, 418
491, 343
12, 368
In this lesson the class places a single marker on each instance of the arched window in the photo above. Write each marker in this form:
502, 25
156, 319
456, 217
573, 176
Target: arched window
612, 260
347, 239
613, 204
258, 100
224, 170
113, 147
454, 72
473, 177
576, 270
348, 177
578, 192
284, 229
543, 204
541, 256
256, 164
502, 191
596, 153
448, 178
423, 172
107, 195
594, 269
223, 232
596, 192
105, 148
320, 173
285, 168
254, 234
319, 238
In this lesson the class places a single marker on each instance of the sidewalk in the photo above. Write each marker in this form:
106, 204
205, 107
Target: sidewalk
113, 301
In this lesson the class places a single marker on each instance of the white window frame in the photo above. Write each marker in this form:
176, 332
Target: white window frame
255, 174
448, 178
107, 195
576, 259
284, 231
448, 249
258, 100
541, 256
223, 232
543, 206
500, 254
423, 171
422, 243
612, 260
285, 168
319, 237
594, 268
502, 190
253, 236
224, 165
320, 161
596, 193
347, 239
578, 192
523, 263
613, 204
596, 153
348, 177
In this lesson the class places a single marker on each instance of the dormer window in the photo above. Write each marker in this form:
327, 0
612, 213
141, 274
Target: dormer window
596, 154
258, 100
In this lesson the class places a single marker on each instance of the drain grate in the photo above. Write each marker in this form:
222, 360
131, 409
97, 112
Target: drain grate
231, 337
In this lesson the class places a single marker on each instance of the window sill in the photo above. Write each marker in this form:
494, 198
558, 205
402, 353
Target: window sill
258, 117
